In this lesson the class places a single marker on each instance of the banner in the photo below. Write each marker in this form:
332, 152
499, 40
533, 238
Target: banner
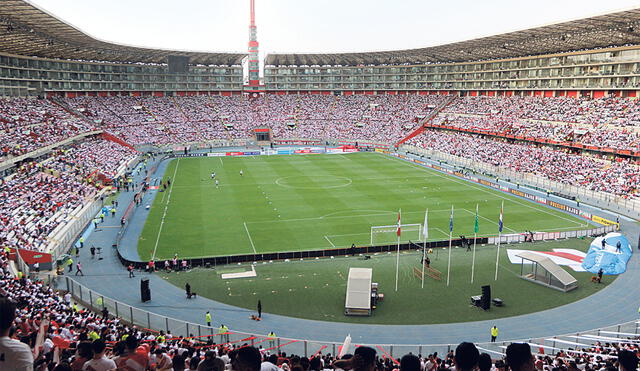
603, 221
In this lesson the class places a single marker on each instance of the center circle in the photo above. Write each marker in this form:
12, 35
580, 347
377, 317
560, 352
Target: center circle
319, 182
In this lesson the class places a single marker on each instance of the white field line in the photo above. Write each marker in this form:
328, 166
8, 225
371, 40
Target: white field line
327, 238
250, 240
155, 248
345, 216
441, 231
482, 189
489, 220
221, 162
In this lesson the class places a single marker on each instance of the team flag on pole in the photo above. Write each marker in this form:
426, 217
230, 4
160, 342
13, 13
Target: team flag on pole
475, 226
500, 221
451, 220
425, 227
398, 231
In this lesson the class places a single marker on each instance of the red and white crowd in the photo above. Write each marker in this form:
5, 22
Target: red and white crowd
39, 196
28, 124
591, 172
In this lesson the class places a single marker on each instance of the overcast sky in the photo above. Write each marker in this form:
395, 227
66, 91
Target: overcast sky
287, 26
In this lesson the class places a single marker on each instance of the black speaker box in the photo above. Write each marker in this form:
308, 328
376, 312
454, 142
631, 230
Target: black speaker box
145, 291
485, 301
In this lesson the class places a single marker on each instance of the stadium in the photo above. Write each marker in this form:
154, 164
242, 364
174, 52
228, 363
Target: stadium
190, 210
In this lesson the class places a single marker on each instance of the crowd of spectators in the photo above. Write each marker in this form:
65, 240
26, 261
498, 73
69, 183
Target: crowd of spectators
591, 172
39, 196
92, 155
27, 124
35, 202
609, 122
165, 120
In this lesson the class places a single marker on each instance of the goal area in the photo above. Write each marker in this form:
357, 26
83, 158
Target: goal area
386, 234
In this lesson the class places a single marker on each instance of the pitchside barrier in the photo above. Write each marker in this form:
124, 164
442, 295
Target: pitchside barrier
201, 333
297, 255
369, 250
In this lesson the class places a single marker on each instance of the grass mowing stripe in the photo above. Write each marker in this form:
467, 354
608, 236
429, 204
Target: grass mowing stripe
480, 188
489, 220
206, 220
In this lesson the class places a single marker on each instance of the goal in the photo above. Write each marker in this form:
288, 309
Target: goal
386, 234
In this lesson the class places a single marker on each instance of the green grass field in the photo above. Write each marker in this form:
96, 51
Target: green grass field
290, 203
315, 289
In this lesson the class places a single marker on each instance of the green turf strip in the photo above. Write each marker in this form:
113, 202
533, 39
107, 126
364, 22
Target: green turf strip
315, 289
292, 203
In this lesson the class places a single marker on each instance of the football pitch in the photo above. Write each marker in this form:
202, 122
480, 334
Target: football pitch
311, 202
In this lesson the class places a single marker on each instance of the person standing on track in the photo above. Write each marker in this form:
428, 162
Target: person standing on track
494, 333
207, 318
79, 269
259, 309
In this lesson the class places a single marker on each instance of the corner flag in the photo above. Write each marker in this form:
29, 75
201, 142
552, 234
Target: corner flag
451, 220
475, 226
398, 232
500, 225
425, 227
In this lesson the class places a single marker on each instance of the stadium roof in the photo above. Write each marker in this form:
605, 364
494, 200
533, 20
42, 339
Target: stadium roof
28, 30
614, 29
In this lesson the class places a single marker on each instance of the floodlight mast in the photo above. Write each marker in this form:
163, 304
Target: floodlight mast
254, 64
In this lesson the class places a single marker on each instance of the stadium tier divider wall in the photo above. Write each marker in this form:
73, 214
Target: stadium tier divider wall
152, 322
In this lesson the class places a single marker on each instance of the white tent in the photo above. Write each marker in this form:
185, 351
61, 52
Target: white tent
358, 301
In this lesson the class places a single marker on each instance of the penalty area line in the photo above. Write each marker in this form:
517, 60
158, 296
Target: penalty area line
250, 240
327, 238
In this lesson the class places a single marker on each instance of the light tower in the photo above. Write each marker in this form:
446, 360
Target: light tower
254, 64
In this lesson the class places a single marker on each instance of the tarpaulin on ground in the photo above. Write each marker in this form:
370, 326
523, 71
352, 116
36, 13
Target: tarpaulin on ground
607, 256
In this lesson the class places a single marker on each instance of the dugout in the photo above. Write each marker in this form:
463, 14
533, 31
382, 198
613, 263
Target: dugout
543, 271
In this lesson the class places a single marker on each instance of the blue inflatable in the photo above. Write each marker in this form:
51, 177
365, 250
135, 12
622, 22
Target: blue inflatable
606, 256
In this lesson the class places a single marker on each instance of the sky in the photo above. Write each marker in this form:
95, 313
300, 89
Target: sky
322, 26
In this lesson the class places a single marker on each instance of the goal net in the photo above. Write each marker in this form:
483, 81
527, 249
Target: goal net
386, 234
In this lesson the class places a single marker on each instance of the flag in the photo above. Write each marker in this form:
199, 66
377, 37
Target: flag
475, 226
425, 227
451, 220
398, 231
500, 221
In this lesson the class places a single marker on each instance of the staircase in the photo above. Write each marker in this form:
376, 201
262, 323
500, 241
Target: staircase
62, 104
108, 136
429, 117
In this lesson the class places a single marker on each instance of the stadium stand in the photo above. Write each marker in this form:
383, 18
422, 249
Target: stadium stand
581, 129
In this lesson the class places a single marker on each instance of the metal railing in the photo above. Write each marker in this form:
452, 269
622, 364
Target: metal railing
154, 322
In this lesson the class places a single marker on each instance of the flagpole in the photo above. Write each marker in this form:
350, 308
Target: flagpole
499, 238
475, 237
424, 246
398, 251
450, 232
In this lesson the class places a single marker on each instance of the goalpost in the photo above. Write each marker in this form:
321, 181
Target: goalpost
386, 234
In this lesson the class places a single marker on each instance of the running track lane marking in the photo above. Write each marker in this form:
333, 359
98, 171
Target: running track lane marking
250, 240
155, 248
